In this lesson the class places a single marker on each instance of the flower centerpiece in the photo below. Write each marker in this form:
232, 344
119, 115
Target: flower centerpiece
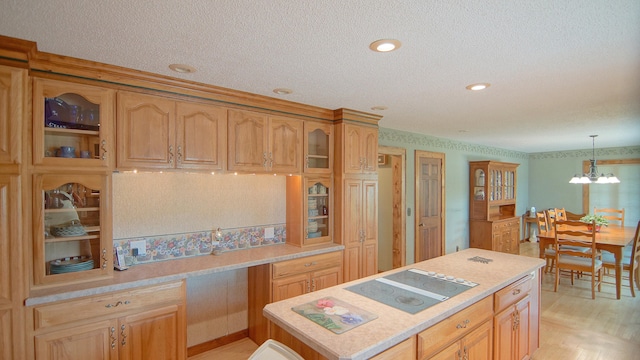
600, 220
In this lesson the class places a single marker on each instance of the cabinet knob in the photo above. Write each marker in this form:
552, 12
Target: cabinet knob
124, 335
179, 154
104, 149
170, 154
104, 258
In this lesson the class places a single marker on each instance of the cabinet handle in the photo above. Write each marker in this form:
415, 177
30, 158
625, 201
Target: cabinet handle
124, 336
264, 160
104, 258
308, 286
306, 161
126, 302
270, 160
310, 264
170, 154
516, 291
112, 334
516, 320
313, 285
179, 154
104, 149
463, 325
466, 355
459, 355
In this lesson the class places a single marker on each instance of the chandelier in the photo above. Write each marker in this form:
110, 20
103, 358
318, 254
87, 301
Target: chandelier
592, 176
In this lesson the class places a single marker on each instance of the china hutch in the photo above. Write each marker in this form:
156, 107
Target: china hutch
493, 224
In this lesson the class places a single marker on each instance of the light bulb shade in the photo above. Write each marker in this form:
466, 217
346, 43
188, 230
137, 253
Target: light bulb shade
602, 180
575, 179
613, 179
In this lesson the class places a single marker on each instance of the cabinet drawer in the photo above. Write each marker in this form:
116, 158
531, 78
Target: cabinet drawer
512, 293
112, 304
454, 327
306, 264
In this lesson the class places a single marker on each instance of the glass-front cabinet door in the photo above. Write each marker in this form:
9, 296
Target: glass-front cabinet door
318, 148
72, 236
317, 211
72, 124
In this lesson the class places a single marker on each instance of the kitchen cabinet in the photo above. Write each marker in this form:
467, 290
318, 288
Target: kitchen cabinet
318, 147
493, 224
285, 279
161, 133
72, 238
263, 143
359, 151
13, 84
357, 221
309, 210
77, 117
466, 334
144, 323
406, 350
512, 323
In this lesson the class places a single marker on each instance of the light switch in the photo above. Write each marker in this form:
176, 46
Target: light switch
141, 245
268, 233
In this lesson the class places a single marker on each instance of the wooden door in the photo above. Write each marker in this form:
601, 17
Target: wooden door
352, 232
13, 83
201, 132
145, 131
429, 205
98, 340
318, 147
154, 335
523, 348
504, 337
369, 227
247, 138
290, 286
352, 153
478, 344
285, 145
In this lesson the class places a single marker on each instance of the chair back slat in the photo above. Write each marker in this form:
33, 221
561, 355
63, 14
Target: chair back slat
613, 215
571, 234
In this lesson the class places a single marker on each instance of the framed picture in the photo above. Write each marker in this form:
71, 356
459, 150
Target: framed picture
382, 159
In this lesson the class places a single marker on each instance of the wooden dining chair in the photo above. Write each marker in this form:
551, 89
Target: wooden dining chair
575, 233
560, 214
611, 214
630, 263
551, 217
549, 253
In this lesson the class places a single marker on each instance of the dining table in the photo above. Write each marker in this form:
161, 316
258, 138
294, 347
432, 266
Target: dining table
612, 238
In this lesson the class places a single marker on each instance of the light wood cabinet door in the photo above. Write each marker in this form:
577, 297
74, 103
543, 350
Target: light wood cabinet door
201, 141
512, 331
285, 145
247, 135
318, 147
11, 278
13, 83
406, 350
145, 131
360, 233
72, 115
98, 340
158, 334
360, 149
291, 286
326, 278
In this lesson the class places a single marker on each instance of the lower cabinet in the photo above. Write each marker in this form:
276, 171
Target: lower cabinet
406, 350
144, 323
465, 335
499, 235
512, 323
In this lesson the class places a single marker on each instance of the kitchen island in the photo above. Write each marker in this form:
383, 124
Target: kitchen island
505, 304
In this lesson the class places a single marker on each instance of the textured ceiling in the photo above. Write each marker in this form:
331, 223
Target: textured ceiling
560, 70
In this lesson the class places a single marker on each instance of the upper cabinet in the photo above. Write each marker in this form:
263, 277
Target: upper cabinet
13, 83
360, 150
492, 190
318, 147
262, 143
72, 125
160, 133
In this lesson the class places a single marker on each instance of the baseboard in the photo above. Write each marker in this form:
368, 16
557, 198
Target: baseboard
216, 343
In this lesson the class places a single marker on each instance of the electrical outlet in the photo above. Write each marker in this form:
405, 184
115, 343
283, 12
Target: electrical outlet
269, 233
141, 245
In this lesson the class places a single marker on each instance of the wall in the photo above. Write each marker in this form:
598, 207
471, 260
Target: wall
457, 157
550, 173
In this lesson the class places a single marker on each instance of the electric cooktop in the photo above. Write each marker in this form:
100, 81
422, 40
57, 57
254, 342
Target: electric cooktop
412, 290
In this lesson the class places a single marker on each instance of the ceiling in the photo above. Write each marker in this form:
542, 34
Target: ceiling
560, 70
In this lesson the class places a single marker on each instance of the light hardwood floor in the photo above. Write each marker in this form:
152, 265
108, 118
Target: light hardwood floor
573, 326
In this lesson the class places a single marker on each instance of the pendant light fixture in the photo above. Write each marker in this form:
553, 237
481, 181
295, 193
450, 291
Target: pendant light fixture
592, 176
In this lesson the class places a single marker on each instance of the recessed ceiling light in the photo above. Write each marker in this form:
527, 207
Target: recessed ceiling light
385, 45
478, 87
183, 69
379, 108
282, 91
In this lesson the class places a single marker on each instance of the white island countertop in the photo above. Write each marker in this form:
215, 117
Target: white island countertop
392, 325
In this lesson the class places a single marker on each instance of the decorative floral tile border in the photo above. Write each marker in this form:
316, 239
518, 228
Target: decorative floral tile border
176, 246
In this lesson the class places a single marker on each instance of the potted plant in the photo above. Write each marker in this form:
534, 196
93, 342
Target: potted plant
600, 221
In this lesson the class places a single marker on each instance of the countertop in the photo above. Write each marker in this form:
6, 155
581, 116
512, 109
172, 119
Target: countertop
171, 270
393, 326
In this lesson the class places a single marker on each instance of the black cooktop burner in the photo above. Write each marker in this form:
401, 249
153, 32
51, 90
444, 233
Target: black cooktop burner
412, 290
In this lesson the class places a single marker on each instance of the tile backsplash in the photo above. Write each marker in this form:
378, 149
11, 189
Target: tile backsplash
176, 246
